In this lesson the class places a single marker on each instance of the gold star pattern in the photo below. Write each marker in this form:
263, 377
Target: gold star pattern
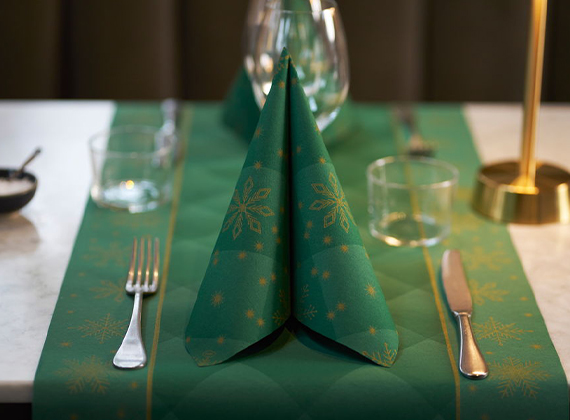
314, 271
249, 314
282, 84
217, 299
65, 344
515, 376
242, 255
307, 235
322, 160
257, 165
259, 246
258, 132
344, 248
327, 240
536, 346
244, 207
220, 340
331, 315
341, 306
299, 149
334, 199
273, 277
263, 281
103, 329
300, 205
326, 275
275, 230
372, 330
309, 224
260, 322
371, 290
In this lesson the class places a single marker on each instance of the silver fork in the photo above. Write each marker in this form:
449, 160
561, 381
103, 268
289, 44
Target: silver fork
131, 354
417, 146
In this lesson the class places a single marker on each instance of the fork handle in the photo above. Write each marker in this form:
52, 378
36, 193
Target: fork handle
131, 354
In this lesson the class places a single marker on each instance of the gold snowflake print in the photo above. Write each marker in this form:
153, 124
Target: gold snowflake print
107, 289
103, 329
385, 357
514, 375
478, 258
487, 291
309, 312
217, 299
497, 331
245, 207
335, 200
280, 317
102, 256
91, 375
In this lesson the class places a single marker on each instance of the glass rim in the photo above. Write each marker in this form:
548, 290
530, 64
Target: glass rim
379, 163
330, 4
131, 128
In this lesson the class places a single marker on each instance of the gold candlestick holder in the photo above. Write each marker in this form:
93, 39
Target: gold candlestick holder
526, 191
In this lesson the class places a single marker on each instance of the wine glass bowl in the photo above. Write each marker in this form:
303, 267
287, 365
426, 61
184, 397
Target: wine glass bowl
312, 32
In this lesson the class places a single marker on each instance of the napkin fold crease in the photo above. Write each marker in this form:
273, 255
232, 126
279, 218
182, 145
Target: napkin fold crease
289, 246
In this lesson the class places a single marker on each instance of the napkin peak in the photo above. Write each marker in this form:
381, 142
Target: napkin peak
289, 246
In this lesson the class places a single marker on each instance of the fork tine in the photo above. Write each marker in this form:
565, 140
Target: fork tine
131, 275
148, 261
140, 264
156, 263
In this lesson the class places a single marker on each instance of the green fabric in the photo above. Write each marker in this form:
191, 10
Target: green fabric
299, 375
289, 245
241, 113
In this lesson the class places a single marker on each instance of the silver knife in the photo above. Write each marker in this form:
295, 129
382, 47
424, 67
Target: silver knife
471, 361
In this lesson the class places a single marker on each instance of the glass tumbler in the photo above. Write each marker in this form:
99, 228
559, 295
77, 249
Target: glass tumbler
410, 200
132, 168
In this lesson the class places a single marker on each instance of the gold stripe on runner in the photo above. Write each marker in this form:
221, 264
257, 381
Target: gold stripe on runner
399, 140
185, 130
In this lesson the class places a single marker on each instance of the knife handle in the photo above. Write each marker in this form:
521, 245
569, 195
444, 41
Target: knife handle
471, 361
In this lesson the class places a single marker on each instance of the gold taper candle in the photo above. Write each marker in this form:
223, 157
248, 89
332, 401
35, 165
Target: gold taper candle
537, 30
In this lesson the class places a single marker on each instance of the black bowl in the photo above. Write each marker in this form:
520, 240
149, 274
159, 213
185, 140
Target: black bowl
13, 202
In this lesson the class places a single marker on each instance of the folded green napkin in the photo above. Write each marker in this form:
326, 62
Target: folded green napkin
241, 113
289, 246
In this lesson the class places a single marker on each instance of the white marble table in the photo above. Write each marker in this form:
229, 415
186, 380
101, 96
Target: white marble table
35, 244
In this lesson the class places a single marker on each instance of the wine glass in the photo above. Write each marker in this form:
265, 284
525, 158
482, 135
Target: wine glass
255, 12
313, 33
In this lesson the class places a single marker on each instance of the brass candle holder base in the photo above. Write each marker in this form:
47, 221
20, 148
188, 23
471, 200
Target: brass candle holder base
498, 197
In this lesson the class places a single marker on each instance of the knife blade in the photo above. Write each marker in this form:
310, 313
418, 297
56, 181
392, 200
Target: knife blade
471, 362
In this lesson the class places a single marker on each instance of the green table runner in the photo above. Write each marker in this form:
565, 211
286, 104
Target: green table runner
296, 374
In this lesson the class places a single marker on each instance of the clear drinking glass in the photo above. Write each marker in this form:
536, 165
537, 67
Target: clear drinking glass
410, 200
313, 33
255, 13
132, 168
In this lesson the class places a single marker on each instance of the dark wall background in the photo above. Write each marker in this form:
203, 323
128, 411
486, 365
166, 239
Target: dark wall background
429, 50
